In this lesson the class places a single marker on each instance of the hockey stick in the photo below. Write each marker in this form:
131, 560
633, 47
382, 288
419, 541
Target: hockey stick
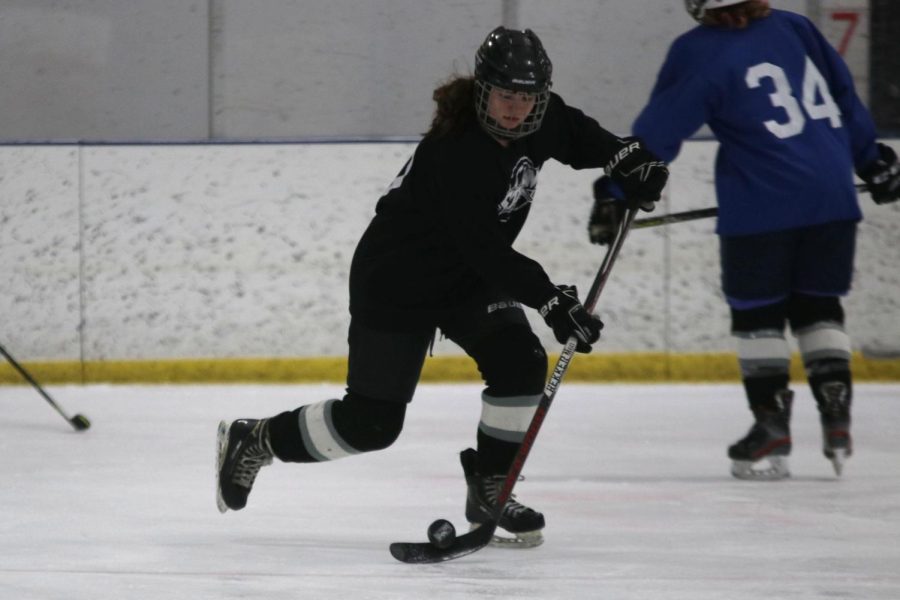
692, 215
79, 422
688, 215
426, 552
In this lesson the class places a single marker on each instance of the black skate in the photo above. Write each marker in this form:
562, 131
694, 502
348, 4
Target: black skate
834, 411
524, 523
769, 439
243, 449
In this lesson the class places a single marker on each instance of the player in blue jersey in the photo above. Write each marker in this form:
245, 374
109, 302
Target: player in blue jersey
792, 131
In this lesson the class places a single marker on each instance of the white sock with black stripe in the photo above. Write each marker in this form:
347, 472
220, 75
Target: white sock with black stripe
762, 353
320, 438
823, 343
507, 418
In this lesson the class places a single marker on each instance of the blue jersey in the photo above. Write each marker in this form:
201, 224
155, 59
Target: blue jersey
782, 104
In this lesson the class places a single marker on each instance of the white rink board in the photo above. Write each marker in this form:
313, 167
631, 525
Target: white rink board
214, 251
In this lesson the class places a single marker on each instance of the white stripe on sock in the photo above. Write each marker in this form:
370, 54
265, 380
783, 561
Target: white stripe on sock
319, 436
826, 339
763, 352
507, 418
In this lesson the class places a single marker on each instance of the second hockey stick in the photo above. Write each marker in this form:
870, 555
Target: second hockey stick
688, 215
79, 422
692, 215
426, 552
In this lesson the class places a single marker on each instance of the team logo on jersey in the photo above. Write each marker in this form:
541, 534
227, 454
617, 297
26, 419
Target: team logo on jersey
520, 194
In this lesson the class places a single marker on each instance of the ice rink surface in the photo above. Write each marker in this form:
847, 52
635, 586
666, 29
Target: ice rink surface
633, 481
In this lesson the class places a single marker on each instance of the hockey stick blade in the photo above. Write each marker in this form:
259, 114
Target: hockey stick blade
78, 422
425, 552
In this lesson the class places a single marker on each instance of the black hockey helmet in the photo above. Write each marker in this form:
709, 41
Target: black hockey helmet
512, 60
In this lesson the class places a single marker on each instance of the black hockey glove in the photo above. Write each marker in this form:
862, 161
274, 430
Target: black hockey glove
883, 176
567, 317
606, 215
640, 174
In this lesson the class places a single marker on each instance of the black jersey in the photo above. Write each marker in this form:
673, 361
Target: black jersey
443, 233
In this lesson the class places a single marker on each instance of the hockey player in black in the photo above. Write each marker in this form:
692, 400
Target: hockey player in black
438, 254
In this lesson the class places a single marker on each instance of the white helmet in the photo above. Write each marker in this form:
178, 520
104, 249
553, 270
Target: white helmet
697, 8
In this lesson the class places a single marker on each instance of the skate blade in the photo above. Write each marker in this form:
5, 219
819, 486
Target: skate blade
221, 444
520, 541
777, 469
837, 458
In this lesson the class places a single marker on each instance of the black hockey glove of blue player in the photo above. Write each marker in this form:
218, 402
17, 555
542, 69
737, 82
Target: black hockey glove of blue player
883, 176
640, 174
606, 214
565, 314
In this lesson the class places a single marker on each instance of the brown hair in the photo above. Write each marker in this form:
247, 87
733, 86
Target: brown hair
737, 16
455, 100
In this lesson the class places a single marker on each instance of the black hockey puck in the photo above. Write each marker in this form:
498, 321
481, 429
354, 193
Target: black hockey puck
442, 534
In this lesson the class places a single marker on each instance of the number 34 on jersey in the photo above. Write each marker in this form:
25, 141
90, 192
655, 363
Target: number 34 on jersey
815, 98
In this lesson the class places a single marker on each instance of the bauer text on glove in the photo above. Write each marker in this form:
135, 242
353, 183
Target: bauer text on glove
640, 174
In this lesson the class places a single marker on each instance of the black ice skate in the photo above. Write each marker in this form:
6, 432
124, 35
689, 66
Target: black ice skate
834, 411
769, 439
243, 449
521, 521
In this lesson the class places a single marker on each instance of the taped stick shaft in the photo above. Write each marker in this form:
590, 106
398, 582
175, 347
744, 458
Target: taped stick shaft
562, 365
